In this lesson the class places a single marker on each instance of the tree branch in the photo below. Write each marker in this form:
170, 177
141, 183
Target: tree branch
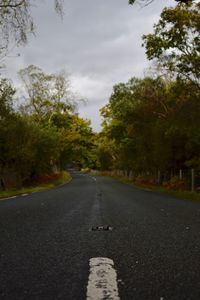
12, 5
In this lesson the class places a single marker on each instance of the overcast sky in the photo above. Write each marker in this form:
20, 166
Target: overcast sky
98, 43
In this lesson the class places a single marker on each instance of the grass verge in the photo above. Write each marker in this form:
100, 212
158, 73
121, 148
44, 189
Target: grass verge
175, 193
157, 188
63, 178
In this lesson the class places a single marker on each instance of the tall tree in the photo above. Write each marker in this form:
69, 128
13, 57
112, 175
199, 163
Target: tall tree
47, 94
6, 94
175, 43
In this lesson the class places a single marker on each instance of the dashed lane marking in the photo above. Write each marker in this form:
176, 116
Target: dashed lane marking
102, 282
94, 178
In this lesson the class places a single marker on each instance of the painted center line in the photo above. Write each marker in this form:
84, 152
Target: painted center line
102, 282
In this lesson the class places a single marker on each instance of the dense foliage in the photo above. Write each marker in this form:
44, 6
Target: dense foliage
176, 42
46, 133
151, 125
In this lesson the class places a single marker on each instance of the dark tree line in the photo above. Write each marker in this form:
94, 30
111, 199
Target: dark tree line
45, 133
152, 125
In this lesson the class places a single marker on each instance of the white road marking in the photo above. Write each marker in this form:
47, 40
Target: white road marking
8, 198
102, 282
94, 178
23, 195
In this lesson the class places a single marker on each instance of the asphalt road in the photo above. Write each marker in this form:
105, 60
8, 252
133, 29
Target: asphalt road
46, 242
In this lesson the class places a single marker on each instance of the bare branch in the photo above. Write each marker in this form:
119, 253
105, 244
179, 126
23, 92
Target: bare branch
10, 5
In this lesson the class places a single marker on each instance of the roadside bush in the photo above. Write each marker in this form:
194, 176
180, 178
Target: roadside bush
47, 178
175, 183
85, 170
141, 179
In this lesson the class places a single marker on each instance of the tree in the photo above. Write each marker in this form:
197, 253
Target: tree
143, 2
136, 108
50, 103
45, 134
6, 94
47, 94
151, 125
27, 150
78, 143
175, 43
146, 2
16, 22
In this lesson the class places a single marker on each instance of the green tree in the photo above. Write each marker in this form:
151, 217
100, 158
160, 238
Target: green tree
175, 43
152, 126
27, 150
6, 94
51, 104
46, 133
78, 143
136, 107
47, 94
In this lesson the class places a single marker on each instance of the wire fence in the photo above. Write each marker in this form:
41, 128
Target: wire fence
187, 179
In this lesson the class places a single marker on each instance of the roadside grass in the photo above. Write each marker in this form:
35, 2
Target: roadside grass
62, 178
180, 194
175, 193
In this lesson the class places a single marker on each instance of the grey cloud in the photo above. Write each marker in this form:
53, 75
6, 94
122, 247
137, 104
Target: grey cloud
98, 43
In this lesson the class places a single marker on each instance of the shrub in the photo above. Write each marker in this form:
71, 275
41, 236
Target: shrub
175, 183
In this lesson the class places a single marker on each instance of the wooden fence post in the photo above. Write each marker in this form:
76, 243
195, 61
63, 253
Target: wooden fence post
192, 181
180, 174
